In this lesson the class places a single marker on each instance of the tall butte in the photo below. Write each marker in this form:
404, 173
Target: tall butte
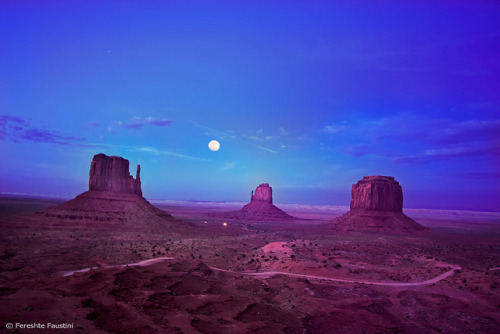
112, 174
261, 207
376, 205
114, 200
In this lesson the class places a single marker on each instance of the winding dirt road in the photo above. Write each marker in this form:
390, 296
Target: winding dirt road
268, 274
142, 263
274, 273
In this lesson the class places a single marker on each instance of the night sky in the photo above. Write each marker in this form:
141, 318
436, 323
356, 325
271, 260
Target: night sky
308, 96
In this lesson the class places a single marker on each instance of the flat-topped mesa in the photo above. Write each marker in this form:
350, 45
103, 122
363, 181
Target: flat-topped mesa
112, 174
376, 206
263, 193
377, 193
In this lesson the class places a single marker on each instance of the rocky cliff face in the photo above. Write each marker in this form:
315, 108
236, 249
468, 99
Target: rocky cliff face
378, 193
112, 174
376, 206
114, 201
263, 193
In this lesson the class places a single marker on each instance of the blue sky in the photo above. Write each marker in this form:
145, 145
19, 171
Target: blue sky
308, 96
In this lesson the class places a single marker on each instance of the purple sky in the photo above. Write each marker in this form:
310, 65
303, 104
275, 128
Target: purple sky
308, 96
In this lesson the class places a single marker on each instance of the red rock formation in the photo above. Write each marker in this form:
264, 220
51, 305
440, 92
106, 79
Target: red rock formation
261, 207
263, 193
114, 198
112, 174
376, 205
378, 193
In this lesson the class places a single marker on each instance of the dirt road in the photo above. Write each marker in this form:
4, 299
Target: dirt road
268, 274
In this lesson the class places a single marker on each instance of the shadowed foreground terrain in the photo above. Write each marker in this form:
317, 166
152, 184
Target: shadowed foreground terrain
207, 280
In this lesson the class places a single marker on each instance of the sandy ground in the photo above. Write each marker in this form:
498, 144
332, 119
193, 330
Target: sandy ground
246, 277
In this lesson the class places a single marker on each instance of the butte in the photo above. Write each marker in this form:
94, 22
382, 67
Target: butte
114, 201
376, 206
261, 207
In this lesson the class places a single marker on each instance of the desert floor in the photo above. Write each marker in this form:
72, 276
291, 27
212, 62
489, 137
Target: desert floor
249, 276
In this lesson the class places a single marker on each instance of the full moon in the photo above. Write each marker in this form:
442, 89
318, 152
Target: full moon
214, 145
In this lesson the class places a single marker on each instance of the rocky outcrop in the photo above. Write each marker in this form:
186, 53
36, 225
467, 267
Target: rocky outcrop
112, 174
114, 201
377, 193
376, 205
263, 193
261, 207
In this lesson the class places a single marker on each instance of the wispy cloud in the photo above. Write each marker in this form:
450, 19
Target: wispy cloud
266, 149
226, 135
156, 151
410, 138
222, 135
229, 166
260, 137
18, 129
333, 128
468, 150
151, 150
138, 122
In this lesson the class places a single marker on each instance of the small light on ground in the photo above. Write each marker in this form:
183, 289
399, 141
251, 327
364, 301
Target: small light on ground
224, 224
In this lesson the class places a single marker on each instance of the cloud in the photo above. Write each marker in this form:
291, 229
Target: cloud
215, 133
334, 128
229, 166
255, 138
410, 138
469, 150
266, 149
138, 122
261, 138
156, 151
18, 129
481, 175
225, 135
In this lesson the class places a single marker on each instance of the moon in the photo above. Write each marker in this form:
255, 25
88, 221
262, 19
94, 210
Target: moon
214, 145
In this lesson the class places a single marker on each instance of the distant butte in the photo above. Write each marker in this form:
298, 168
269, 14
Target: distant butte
261, 207
114, 199
376, 205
